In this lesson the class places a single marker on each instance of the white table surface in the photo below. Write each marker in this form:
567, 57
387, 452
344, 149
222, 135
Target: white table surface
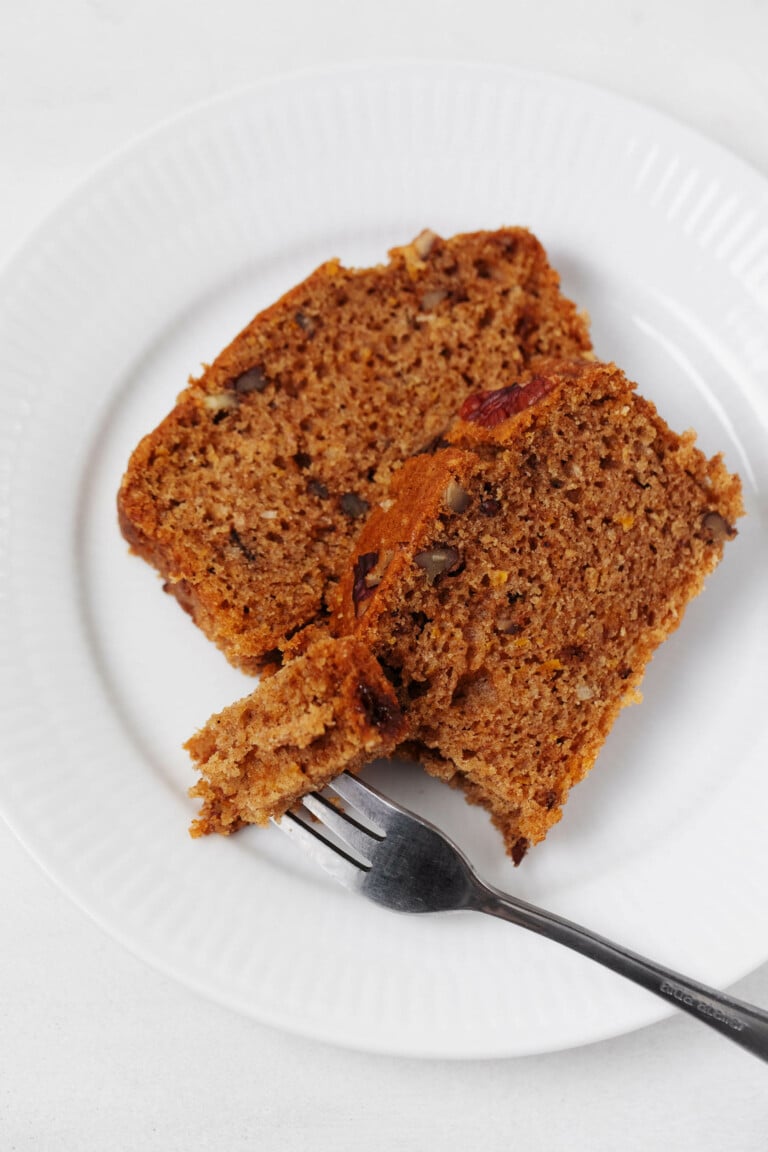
97, 1051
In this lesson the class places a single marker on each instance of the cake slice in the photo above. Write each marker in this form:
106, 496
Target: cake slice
248, 496
514, 586
521, 579
328, 711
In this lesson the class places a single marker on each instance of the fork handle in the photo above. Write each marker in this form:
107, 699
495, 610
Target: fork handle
743, 1023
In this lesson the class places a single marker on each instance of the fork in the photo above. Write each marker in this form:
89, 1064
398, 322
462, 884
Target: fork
407, 864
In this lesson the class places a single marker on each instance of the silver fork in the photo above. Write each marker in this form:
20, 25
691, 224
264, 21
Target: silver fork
407, 864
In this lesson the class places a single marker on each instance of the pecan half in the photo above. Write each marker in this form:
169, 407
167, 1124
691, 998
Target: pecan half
491, 408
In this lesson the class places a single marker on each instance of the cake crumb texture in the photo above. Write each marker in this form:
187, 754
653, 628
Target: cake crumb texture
520, 580
501, 606
248, 497
331, 710
412, 496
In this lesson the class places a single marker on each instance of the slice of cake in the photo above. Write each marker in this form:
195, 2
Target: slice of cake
515, 584
520, 581
328, 711
249, 495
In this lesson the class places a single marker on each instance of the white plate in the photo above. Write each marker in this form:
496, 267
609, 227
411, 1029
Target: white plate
151, 268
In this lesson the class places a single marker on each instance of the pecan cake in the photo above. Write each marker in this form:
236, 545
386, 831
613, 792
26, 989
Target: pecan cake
515, 584
521, 579
249, 495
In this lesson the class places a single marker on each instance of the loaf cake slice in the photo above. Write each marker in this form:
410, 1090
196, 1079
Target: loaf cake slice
520, 580
514, 585
328, 711
248, 496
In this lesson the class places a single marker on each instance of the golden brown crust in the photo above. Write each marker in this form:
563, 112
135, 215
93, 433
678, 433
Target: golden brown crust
248, 496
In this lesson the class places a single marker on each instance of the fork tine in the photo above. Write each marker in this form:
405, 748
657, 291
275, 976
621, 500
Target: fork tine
346, 827
333, 859
362, 796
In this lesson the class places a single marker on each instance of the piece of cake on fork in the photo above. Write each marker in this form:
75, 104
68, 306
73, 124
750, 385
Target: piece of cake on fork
328, 711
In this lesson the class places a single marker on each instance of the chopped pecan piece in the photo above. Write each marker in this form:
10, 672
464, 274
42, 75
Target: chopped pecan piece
353, 505
455, 497
253, 380
717, 528
442, 560
361, 589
